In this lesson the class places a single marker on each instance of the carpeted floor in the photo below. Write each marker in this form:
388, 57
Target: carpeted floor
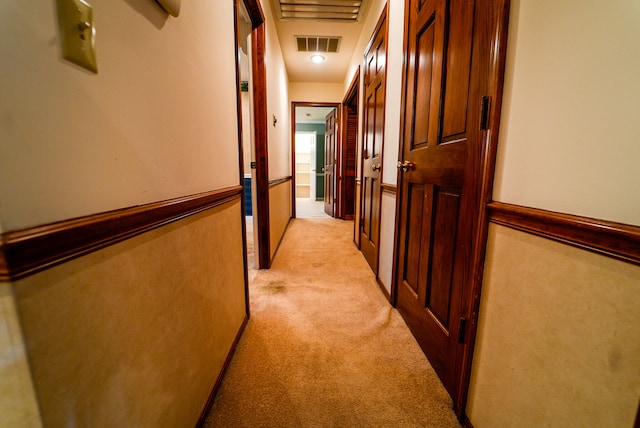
306, 208
323, 347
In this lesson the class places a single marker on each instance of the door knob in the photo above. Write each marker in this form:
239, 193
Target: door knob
375, 167
404, 166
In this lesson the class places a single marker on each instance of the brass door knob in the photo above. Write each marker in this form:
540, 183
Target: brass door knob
404, 166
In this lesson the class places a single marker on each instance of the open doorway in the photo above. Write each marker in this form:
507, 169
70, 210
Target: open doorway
248, 147
313, 159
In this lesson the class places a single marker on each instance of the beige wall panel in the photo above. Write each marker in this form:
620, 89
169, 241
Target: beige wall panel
158, 121
387, 233
136, 334
393, 96
316, 92
18, 406
558, 340
278, 137
569, 128
279, 213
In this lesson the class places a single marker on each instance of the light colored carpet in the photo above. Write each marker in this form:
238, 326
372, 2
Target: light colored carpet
323, 347
251, 257
306, 208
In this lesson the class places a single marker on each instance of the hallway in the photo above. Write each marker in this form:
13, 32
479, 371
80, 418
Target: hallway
324, 348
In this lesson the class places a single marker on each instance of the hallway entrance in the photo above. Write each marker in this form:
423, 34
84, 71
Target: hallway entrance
315, 160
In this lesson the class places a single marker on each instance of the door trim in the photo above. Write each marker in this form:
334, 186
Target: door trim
497, 15
259, 85
494, 15
351, 96
295, 104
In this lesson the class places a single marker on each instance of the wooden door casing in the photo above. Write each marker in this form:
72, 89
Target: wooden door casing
452, 69
373, 139
349, 149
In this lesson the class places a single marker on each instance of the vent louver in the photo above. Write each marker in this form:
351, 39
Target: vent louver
318, 44
320, 10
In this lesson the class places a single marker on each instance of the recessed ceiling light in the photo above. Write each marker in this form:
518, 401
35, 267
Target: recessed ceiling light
317, 58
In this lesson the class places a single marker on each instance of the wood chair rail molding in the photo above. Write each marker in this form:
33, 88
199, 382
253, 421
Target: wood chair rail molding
28, 251
617, 240
389, 188
280, 180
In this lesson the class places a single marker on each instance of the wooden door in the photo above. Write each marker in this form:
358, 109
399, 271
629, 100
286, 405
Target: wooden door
330, 163
373, 127
443, 167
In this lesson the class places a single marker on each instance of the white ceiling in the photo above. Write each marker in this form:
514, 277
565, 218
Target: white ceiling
299, 66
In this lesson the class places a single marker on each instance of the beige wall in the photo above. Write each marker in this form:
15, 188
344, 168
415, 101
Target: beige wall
136, 334
18, 406
387, 233
279, 213
279, 143
395, 61
558, 341
569, 136
158, 120
316, 92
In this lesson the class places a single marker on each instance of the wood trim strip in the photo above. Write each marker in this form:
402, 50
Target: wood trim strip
389, 188
383, 289
493, 17
465, 421
282, 238
27, 251
351, 101
255, 12
617, 240
276, 181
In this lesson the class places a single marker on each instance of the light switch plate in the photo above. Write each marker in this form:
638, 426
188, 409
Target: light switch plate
77, 33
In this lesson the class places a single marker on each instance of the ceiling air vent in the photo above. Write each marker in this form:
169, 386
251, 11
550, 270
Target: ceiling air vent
320, 10
317, 44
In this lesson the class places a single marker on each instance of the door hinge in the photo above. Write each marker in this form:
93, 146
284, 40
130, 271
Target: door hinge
461, 330
484, 112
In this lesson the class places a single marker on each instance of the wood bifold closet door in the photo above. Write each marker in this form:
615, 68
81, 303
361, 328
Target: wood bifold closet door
373, 127
441, 171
